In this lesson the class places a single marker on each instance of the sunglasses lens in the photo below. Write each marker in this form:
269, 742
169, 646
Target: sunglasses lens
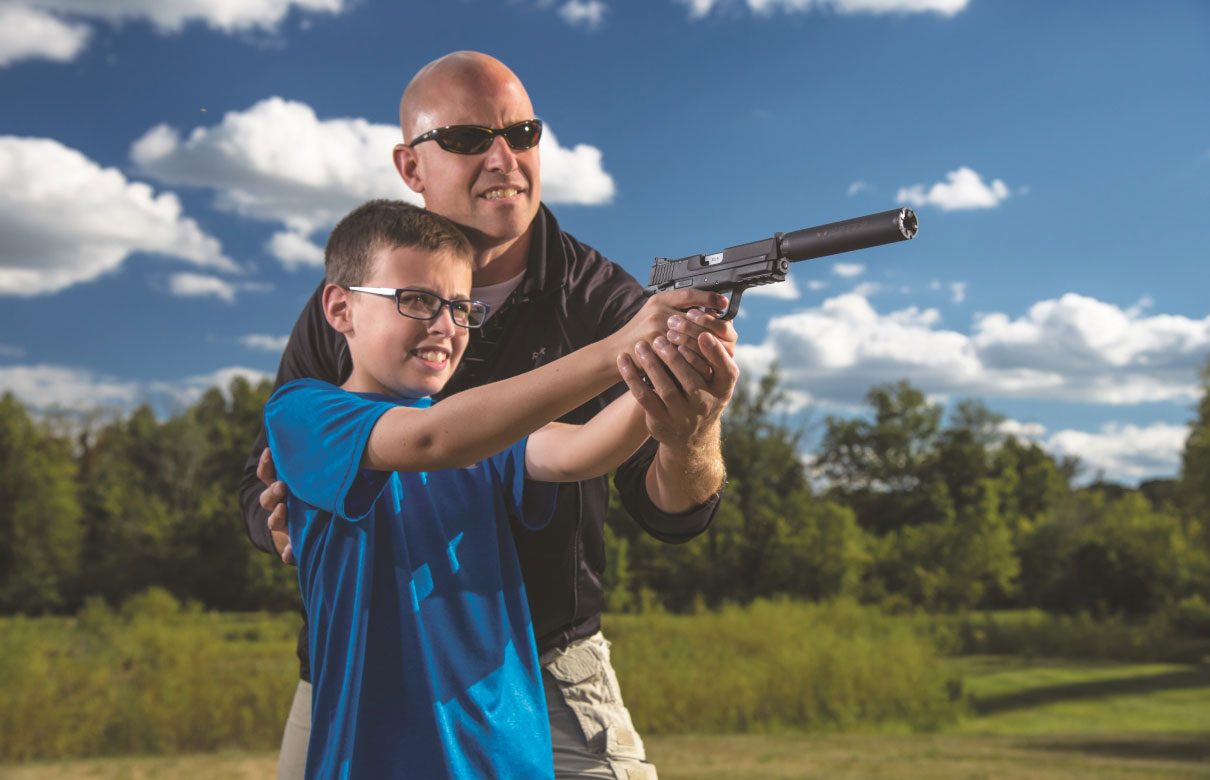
524, 135
465, 139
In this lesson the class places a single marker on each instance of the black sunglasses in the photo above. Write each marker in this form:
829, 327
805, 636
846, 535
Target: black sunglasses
477, 139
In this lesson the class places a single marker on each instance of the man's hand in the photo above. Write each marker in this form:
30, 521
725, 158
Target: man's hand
273, 498
688, 387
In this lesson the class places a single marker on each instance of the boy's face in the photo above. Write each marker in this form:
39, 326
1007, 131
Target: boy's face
398, 355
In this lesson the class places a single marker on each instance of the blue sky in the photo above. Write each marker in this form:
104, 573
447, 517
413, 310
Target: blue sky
169, 170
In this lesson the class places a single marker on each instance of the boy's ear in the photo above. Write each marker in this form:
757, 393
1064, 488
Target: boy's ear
337, 308
408, 166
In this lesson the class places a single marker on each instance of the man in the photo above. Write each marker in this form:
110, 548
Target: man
471, 150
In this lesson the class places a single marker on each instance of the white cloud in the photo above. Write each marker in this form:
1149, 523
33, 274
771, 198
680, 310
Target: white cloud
957, 292
816, 284
1124, 453
199, 285
1022, 430
573, 175
784, 291
11, 353
579, 13
27, 33
295, 250
187, 285
279, 162
67, 220
43, 387
964, 190
702, 8
37, 28
857, 187
848, 270
264, 341
1070, 349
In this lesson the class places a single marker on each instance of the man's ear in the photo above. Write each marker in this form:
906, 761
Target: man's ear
408, 166
337, 308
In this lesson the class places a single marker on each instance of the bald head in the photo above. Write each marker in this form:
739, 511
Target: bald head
452, 81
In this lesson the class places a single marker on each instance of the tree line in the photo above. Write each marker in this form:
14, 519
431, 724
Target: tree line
906, 507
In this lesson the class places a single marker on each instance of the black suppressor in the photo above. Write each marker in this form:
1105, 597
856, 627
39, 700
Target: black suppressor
737, 268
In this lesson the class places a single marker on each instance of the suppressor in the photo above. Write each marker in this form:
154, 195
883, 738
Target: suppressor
885, 227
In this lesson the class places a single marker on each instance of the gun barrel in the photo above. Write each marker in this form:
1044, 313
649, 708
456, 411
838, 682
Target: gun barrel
847, 235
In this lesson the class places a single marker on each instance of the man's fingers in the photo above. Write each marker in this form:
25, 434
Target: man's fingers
726, 372
273, 496
265, 469
689, 379
635, 381
690, 298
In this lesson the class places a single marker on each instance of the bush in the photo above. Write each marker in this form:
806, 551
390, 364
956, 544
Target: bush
150, 678
776, 666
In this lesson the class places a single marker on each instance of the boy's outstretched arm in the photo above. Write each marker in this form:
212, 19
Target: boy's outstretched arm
476, 423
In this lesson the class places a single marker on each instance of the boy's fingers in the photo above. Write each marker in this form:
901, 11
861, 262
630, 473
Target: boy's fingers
273, 496
265, 470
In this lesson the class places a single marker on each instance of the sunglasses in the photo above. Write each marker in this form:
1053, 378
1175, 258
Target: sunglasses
477, 139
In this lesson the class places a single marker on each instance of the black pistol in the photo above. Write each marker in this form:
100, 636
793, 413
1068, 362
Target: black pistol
737, 268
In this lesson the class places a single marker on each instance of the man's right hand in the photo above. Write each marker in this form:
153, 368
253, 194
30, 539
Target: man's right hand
273, 498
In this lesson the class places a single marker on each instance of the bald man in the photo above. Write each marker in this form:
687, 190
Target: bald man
471, 150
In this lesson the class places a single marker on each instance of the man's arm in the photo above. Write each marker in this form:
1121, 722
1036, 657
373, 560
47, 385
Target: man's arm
313, 351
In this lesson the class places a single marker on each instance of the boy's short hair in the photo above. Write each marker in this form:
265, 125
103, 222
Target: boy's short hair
387, 224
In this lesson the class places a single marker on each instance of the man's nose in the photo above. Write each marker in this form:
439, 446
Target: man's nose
500, 156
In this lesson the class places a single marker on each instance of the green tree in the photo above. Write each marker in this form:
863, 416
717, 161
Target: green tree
40, 534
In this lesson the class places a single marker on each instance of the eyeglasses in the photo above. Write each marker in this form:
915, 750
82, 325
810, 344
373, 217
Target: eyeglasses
424, 305
477, 139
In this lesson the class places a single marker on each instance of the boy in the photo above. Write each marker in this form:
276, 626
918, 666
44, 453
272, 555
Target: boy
424, 662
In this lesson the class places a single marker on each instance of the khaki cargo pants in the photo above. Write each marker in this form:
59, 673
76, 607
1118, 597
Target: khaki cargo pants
589, 725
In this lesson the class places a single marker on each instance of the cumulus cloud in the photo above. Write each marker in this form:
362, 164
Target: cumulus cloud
187, 285
702, 8
965, 189
848, 270
1124, 453
176, 395
67, 220
27, 33
957, 292
279, 162
579, 13
1072, 349
857, 187
10, 352
37, 28
264, 341
42, 387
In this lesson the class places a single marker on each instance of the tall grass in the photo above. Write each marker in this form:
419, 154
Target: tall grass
777, 666
154, 677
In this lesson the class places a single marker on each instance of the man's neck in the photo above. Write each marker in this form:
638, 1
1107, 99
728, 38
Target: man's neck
502, 262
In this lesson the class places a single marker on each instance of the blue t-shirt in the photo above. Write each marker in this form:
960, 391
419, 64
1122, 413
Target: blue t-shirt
423, 658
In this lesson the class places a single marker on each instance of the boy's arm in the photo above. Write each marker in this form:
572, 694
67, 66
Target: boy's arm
476, 423
559, 452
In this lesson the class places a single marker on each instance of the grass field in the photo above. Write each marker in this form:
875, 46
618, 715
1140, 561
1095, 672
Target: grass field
1030, 719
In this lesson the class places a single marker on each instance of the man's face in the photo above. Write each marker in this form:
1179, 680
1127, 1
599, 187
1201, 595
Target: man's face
495, 194
398, 355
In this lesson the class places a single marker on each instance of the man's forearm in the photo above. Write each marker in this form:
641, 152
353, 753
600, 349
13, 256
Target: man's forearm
681, 478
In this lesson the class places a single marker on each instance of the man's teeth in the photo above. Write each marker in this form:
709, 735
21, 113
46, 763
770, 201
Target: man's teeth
501, 193
431, 355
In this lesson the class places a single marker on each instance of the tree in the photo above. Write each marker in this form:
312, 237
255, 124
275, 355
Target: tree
39, 515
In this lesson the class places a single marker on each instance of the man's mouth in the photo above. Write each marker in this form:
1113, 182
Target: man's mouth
500, 193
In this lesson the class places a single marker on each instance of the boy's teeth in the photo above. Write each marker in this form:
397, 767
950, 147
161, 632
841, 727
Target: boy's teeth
497, 194
432, 355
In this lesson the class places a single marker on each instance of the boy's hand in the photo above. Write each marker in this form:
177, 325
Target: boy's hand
273, 498
651, 321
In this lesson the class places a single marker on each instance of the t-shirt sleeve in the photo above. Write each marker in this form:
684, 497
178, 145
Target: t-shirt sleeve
528, 500
318, 434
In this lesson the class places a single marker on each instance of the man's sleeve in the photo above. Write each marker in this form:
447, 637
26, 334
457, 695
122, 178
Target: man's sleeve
311, 352
617, 297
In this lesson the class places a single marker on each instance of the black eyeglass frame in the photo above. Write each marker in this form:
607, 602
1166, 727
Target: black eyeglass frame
397, 294
487, 133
